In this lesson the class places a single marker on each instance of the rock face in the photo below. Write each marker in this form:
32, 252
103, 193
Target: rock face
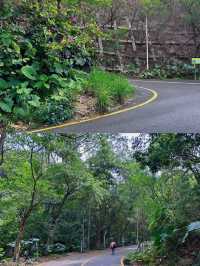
170, 38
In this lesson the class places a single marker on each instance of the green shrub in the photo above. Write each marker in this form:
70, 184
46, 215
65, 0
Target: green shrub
54, 112
1, 253
156, 72
59, 107
39, 48
147, 257
175, 69
103, 101
108, 88
120, 89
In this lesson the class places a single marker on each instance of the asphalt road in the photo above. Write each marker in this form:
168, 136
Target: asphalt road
109, 260
177, 109
102, 258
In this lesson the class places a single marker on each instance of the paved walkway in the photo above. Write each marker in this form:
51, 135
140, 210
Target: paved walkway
94, 258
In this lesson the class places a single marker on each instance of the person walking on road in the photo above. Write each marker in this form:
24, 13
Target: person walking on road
113, 246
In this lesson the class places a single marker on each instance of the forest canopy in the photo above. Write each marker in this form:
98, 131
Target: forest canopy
85, 190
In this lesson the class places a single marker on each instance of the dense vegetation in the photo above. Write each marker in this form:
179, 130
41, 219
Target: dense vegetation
45, 47
109, 89
40, 47
48, 48
78, 192
171, 206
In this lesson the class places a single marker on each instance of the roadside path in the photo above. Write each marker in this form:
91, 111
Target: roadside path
94, 258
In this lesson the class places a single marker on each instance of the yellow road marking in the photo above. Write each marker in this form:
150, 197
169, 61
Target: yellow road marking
73, 123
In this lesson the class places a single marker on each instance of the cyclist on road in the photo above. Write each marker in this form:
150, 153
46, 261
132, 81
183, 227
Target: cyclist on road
113, 246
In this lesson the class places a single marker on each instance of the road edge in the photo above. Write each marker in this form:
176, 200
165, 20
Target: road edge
74, 123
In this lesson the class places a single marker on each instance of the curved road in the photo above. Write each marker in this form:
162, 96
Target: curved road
101, 258
107, 259
177, 109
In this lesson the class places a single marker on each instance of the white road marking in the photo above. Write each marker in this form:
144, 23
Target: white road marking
169, 82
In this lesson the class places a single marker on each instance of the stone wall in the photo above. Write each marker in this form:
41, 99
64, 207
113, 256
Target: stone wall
170, 39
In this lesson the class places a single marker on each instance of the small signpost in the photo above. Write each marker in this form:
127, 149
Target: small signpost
195, 62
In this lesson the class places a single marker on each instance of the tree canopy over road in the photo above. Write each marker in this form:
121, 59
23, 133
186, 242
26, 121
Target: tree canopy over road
79, 192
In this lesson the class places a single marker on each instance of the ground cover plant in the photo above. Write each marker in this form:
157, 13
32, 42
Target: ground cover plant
44, 49
109, 88
41, 46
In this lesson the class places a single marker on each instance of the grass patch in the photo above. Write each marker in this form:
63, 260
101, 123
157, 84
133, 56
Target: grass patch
144, 258
109, 88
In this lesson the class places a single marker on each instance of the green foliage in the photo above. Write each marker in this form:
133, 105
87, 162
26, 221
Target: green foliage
191, 7
146, 257
97, 3
89, 188
151, 7
37, 58
108, 88
169, 70
174, 188
1, 253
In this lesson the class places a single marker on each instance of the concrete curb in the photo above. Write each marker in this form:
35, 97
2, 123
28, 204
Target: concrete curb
73, 123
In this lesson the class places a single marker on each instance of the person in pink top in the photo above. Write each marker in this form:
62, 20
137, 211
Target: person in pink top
113, 246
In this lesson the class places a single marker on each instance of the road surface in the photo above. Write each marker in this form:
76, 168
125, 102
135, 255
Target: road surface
109, 260
101, 258
177, 109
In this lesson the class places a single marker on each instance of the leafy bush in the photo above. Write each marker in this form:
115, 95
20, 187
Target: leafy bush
108, 88
1, 253
156, 72
176, 69
39, 48
56, 248
54, 112
134, 69
147, 257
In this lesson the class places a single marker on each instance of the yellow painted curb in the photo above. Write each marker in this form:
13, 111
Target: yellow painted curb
73, 123
122, 261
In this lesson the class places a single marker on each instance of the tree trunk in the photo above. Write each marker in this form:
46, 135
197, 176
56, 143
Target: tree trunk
59, 4
83, 235
51, 235
89, 228
98, 239
104, 239
55, 217
1, 4
137, 229
20, 235
2, 140
147, 42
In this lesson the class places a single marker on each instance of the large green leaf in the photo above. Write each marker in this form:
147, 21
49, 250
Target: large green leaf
35, 101
3, 84
19, 111
29, 72
6, 105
